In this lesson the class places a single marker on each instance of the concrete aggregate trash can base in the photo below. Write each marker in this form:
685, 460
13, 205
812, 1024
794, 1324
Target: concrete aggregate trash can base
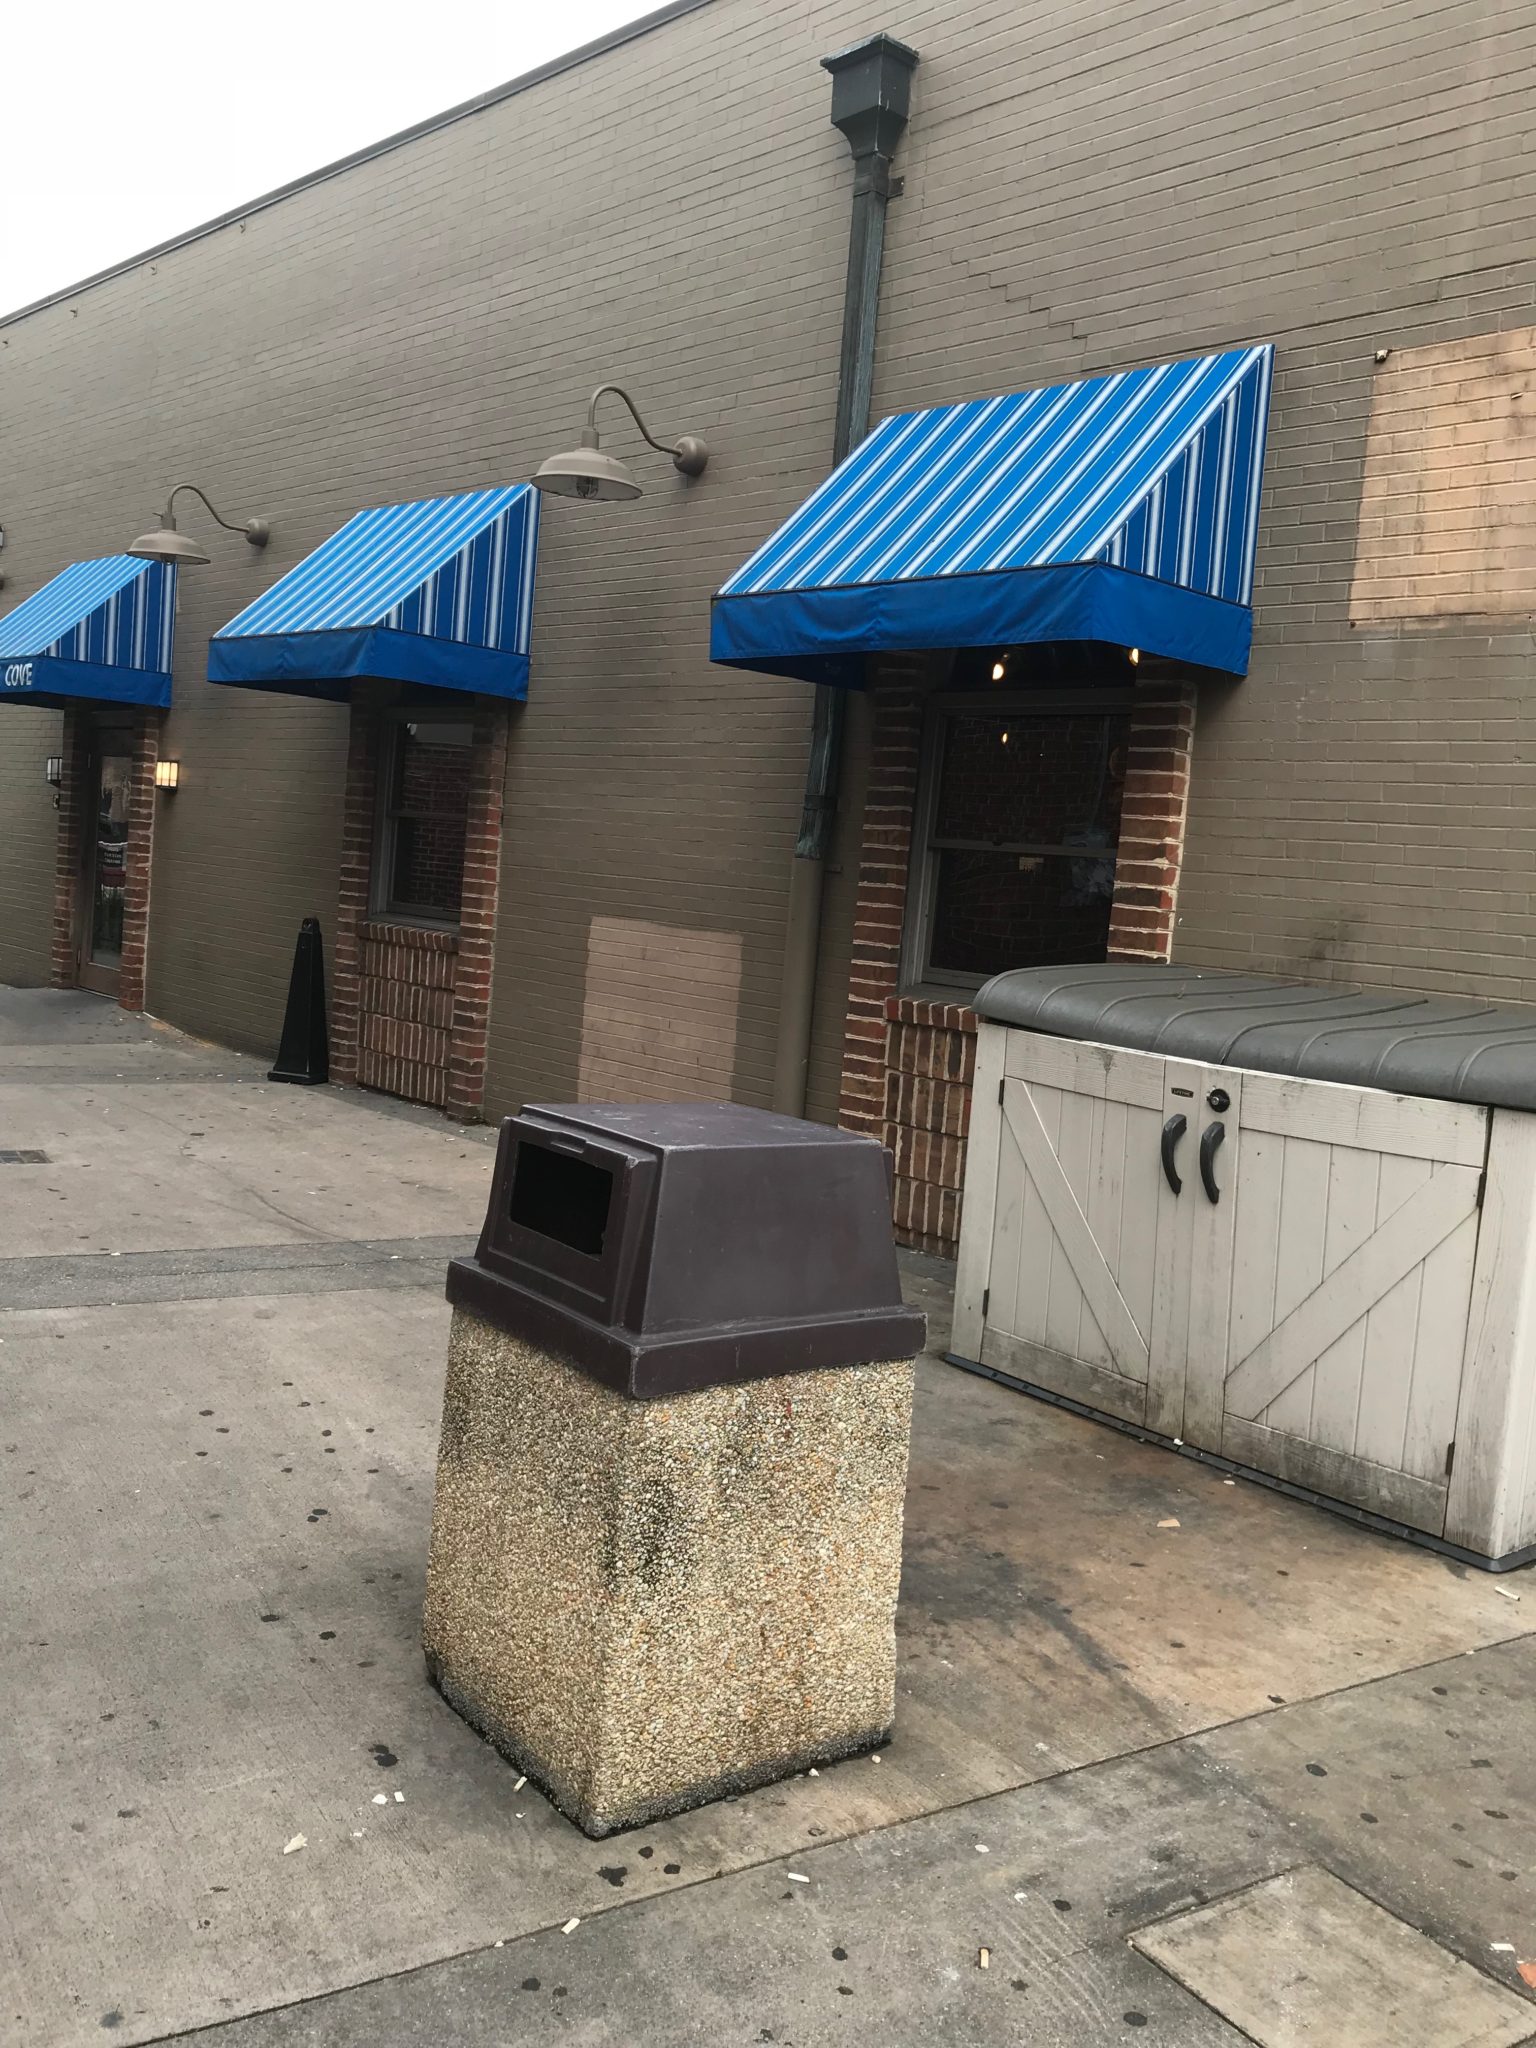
648, 1595
699, 1594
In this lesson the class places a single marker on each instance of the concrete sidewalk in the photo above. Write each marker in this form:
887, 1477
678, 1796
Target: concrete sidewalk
222, 1337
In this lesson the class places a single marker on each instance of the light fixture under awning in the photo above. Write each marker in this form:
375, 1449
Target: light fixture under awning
99, 630
1122, 509
438, 591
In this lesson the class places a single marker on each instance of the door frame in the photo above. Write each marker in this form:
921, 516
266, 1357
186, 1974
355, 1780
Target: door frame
91, 733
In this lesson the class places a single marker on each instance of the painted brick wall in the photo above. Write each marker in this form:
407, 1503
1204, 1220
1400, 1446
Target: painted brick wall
1080, 193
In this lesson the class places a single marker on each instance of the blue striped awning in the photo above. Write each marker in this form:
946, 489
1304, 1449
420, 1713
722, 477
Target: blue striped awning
100, 630
439, 591
1122, 509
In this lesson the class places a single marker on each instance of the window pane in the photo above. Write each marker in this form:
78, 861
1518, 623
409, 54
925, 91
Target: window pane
1036, 777
1031, 780
997, 910
430, 803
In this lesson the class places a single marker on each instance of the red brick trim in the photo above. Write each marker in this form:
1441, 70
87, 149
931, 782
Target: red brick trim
477, 912
930, 1066
410, 1004
907, 1064
1153, 818
138, 863
897, 689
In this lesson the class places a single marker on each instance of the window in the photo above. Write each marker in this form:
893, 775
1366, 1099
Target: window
1018, 826
423, 815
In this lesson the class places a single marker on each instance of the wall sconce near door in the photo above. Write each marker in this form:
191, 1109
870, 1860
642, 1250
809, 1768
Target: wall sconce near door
165, 544
53, 771
167, 774
586, 472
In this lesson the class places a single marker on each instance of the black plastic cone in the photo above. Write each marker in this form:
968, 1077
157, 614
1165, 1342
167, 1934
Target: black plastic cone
304, 1055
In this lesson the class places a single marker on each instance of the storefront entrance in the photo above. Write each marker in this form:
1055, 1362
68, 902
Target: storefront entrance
104, 861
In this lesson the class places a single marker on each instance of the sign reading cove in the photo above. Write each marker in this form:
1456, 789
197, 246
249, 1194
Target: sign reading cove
99, 630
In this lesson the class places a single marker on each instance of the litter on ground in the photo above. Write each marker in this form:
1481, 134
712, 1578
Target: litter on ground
298, 1842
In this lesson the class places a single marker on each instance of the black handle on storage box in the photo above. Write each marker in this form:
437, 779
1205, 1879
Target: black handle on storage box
1210, 1141
1173, 1130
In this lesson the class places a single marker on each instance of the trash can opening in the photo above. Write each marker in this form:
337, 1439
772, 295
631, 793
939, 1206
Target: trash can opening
561, 1197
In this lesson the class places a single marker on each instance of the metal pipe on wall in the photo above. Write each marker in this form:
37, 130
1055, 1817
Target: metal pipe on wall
871, 95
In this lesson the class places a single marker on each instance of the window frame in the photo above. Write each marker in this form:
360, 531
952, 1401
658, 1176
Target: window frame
382, 907
923, 865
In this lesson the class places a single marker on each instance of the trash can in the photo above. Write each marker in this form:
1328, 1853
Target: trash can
666, 1539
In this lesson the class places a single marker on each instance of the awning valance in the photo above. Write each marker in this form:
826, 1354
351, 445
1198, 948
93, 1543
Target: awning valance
1122, 509
99, 630
439, 591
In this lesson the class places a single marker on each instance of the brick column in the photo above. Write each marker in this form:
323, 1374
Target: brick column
355, 881
880, 907
138, 862
1152, 821
477, 912
69, 855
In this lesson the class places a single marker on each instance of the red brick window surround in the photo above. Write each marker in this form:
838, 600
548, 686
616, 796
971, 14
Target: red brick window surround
411, 998
908, 1058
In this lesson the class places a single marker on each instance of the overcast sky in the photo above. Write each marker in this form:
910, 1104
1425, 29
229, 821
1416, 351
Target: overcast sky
127, 121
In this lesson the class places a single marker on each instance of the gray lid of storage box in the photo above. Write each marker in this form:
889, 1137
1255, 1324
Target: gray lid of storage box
1445, 1046
668, 1246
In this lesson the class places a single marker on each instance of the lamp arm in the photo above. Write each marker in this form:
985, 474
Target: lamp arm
634, 412
256, 531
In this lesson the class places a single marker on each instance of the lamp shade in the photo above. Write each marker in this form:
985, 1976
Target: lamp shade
165, 544
586, 472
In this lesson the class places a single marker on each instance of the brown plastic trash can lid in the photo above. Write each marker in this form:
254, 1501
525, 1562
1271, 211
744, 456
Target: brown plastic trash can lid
668, 1246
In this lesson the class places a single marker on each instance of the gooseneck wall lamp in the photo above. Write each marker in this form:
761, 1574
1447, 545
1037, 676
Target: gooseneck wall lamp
586, 472
165, 544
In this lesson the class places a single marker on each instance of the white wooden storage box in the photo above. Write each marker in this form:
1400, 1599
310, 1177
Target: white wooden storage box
1292, 1226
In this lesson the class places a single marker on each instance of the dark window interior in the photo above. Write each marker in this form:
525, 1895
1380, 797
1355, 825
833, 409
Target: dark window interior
428, 808
560, 1197
1026, 825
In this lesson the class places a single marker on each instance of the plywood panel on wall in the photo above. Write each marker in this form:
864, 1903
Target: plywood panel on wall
1448, 512
659, 1019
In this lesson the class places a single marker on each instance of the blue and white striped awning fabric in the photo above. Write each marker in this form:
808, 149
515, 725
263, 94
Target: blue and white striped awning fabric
1123, 509
100, 630
439, 591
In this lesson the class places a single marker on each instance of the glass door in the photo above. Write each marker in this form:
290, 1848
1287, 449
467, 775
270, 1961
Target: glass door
105, 866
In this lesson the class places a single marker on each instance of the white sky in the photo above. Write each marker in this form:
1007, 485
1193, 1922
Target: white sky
127, 121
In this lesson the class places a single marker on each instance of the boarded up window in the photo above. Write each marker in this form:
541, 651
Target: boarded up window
1448, 512
659, 1020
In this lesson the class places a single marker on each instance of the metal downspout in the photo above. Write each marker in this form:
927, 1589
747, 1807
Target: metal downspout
871, 94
